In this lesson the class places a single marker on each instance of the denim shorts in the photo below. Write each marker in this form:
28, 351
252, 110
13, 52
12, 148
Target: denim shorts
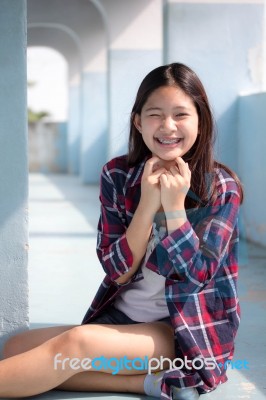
113, 316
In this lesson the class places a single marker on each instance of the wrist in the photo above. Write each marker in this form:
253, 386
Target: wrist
175, 218
175, 214
174, 210
145, 212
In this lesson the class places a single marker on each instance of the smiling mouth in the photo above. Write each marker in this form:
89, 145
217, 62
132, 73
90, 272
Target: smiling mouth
169, 141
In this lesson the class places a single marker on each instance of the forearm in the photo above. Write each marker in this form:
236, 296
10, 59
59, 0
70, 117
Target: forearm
137, 234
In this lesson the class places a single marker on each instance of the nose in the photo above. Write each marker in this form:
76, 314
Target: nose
168, 125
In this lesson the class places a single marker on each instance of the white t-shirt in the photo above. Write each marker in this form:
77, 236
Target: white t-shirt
144, 301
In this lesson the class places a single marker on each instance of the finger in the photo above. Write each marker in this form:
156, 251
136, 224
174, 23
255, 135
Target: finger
183, 167
163, 179
174, 171
159, 172
149, 165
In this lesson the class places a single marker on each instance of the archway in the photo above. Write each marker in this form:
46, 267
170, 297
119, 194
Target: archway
80, 34
47, 110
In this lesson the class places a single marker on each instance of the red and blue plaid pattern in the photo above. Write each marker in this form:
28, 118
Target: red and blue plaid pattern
198, 260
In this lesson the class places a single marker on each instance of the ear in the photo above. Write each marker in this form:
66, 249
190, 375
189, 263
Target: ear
137, 122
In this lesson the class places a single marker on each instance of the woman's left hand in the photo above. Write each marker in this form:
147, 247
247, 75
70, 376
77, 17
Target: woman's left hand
175, 184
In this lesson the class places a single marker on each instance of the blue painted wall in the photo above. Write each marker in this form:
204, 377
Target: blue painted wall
13, 169
128, 68
74, 129
219, 42
61, 147
252, 164
94, 126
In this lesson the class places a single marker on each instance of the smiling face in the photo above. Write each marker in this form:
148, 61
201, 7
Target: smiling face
168, 123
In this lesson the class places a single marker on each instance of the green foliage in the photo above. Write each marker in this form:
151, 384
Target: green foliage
36, 116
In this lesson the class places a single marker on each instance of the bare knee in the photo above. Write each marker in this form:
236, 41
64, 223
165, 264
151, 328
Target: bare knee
72, 342
12, 346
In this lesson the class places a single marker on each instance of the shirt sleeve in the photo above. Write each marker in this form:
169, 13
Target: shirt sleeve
193, 256
112, 247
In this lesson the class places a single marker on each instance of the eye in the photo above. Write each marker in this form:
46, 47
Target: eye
154, 115
181, 115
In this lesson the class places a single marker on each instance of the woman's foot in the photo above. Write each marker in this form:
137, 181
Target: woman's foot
184, 393
152, 387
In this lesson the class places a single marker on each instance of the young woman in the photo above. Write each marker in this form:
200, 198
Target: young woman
167, 240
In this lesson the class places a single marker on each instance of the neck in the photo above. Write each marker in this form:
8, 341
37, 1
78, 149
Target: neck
167, 163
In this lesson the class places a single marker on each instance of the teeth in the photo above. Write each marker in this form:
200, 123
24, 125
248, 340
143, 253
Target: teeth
168, 141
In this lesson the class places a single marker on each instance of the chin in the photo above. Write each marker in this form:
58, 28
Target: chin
170, 157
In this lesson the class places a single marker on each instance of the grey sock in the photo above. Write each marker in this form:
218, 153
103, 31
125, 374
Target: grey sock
184, 393
152, 384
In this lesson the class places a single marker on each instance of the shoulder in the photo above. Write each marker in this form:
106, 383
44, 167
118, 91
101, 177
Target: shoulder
226, 186
116, 171
121, 175
117, 165
225, 182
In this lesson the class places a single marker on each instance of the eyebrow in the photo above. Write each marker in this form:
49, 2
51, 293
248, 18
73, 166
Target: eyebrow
153, 108
160, 109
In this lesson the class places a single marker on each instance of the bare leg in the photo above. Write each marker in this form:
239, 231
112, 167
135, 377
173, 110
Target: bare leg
100, 382
30, 339
83, 381
34, 372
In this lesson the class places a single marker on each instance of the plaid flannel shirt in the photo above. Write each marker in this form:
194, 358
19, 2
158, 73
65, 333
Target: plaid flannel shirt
199, 262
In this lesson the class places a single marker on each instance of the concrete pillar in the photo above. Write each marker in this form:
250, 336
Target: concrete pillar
94, 125
213, 38
13, 169
136, 33
74, 128
94, 100
264, 50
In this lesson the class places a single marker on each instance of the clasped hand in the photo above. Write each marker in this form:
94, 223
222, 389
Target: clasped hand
165, 184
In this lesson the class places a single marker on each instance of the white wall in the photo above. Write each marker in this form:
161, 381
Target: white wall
135, 38
251, 164
222, 42
47, 147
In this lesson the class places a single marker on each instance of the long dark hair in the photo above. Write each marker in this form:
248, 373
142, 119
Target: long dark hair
200, 157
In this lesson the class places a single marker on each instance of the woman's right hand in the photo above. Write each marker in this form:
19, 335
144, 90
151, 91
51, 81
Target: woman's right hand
150, 200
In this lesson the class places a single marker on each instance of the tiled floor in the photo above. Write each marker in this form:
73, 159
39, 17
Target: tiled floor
64, 274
